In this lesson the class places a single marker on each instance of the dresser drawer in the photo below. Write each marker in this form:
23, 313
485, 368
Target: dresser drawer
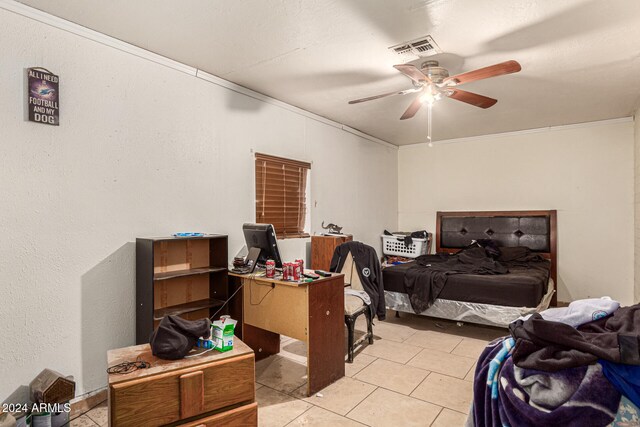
172, 396
243, 416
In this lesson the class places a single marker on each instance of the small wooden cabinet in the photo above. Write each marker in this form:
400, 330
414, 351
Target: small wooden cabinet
211, 389
322, 248
179, 276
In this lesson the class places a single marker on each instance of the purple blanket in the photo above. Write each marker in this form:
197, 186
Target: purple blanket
579, 396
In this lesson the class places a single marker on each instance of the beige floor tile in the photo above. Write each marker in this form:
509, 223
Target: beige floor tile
294, 350
471, 374
342, 396
387, 330
446, 391
386, 408
443, 363
280, 373
392, 332
360, 361
82, 421
262, 365
100, 414
449, 418
390, 350
434, 340
391, 375
450, 327
284, 339
295, 347
258, 385
318, 417
470, 347
277, 409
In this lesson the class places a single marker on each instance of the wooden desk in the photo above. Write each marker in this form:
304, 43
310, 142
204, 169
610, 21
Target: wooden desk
310, 312
208, 390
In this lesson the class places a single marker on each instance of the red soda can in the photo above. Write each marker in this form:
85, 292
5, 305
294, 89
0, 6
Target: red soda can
296, 272
271, 268
301, 263
285, 271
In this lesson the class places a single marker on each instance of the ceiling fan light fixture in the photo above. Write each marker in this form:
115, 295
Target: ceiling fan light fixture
427, 98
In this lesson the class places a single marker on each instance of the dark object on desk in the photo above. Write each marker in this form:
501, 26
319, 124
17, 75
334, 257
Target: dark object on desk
369, 271
322, 273
252, 259
333, 228
262, 239
126, 367
175, 337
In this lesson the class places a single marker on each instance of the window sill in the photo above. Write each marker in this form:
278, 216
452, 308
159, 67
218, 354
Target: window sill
294, 236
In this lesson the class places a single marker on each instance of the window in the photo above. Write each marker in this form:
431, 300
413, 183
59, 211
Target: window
281, 194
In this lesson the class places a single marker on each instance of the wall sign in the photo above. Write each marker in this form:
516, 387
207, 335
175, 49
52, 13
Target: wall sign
43, 96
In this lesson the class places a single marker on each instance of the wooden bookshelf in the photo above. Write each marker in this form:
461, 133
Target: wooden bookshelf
185, 276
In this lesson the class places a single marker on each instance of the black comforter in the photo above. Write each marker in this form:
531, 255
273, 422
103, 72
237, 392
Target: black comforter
425, 279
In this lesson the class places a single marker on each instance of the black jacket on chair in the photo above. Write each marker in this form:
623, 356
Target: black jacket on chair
369, 271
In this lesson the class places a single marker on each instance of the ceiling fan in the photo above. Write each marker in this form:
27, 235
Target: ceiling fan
434, 83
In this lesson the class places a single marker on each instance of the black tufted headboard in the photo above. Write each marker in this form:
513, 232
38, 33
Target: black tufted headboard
535, 229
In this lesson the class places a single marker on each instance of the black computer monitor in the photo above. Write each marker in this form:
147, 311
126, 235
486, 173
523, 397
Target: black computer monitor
262, 237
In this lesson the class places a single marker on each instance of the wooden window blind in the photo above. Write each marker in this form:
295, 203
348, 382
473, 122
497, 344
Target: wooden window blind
281, 194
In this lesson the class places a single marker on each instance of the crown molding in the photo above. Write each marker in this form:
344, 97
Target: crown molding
526, 132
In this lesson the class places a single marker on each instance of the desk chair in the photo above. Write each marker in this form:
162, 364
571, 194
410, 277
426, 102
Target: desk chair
354, 306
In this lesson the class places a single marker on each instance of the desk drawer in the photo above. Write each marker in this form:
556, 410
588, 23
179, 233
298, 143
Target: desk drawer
171, 396
244, 416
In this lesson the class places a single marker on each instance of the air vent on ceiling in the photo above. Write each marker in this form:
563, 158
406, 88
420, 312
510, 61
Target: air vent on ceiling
418, 48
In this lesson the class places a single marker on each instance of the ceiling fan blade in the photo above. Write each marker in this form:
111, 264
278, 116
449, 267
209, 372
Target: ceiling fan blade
370, 98
507, 67
413, 73
472, 98
413, 109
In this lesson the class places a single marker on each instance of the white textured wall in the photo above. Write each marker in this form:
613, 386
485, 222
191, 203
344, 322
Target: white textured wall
141, 150
636, 296
586, 173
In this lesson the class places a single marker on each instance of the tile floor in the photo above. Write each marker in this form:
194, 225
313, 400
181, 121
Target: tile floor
418, 372
96, 417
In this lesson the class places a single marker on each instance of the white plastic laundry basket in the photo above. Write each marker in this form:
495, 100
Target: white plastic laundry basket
394, 245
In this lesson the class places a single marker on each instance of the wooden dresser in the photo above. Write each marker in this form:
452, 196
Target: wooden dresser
322, 248
214, 389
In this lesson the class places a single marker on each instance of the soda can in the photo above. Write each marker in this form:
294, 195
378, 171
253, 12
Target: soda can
290, 270
285, 271
301, 263
296, 272
271, 268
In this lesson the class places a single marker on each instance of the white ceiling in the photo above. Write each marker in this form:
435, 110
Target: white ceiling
580, 58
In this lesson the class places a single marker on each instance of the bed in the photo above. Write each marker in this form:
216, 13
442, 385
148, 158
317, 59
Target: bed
494, 299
